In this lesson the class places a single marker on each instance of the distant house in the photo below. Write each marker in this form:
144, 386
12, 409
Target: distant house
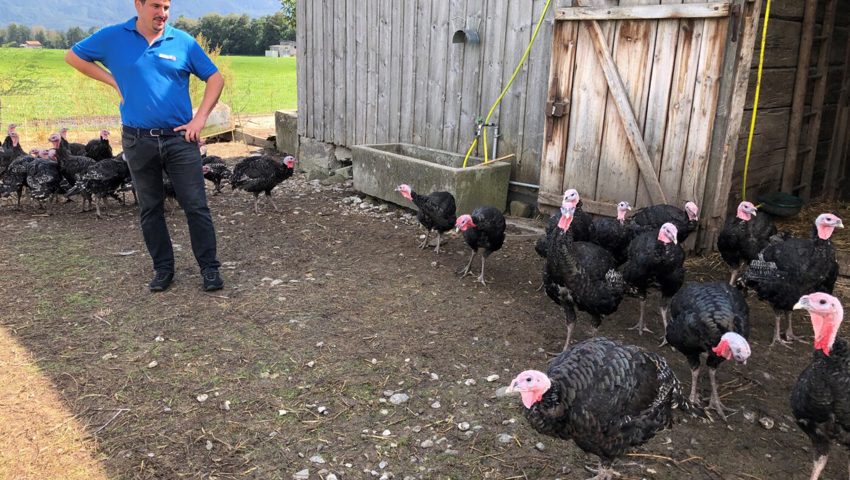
284, 49
32, 44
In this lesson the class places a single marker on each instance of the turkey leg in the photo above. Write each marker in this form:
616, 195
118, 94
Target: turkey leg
715, 398
640, 326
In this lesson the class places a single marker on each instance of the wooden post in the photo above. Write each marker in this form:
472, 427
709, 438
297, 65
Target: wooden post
798, 104
733, 95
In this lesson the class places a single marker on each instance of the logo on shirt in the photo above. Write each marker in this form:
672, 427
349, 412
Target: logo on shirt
167, 57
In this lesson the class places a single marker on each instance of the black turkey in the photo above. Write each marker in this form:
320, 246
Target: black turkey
605, 396
436, 211
99, 149
789, 268
581, 224
7, 142
614, 234
655, 259
258, 174
580, 275
820, 400
650, 219
743, 237
73, 148
483, 229
217, 171
711, 318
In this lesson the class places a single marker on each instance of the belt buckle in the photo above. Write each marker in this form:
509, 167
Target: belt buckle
157, 130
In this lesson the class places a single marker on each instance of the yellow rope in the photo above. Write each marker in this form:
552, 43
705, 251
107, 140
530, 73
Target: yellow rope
755, 101
505, 90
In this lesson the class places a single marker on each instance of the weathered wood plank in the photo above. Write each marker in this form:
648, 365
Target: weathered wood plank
512, 109
681, 106
587, 116
818, 96
385, 75
645, 12
310, 67
437, 74
328, 71
782, 44
554, 156
408, 62
531, 138
627, 115
789, 174
396, 72
339, 82
619, 171
494, 52
350, 72
839, 132
421, 100
362, 53
470, 101
454, 77
301, 66
372, 70
706, 91
658, 99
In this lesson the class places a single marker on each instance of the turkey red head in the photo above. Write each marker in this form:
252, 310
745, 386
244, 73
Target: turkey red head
11, 129
567, 214
63, 132
51, 154
54, 139
827, 313
44, 153
104, 134
15, 138
205, 169
464, 222
667, 233
826, 223
404, 189
746, 211
289, 161
692, 210
572, 197
732, 346
622, 208
531, 385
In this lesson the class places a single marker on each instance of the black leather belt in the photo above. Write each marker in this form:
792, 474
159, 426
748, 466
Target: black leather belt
152, 132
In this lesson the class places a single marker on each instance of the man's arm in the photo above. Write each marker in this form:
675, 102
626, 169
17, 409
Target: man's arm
212, 91
93, 70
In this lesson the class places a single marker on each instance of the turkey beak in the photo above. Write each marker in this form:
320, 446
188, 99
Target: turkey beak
803, 304
511, 388
839, 224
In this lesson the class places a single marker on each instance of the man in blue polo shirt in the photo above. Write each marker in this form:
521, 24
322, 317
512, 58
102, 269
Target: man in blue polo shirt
149, 64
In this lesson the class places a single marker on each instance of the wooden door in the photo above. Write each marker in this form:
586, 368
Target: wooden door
633, 89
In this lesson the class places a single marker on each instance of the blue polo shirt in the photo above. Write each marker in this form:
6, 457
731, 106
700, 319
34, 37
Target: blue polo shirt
154, 79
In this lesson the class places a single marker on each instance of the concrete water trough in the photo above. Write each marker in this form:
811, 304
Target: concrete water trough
379, 169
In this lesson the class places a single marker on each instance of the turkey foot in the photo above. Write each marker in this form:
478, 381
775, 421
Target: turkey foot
425, 242
715, 403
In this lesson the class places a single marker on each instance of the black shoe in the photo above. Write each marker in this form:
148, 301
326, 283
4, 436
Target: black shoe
161, 281
212, 281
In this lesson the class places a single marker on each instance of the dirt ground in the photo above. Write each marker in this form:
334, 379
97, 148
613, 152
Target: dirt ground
339, 348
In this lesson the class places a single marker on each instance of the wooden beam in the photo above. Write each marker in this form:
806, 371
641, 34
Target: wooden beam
645, 12
624, 107
798, 103
730, 114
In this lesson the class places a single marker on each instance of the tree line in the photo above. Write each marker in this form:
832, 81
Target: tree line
235, 34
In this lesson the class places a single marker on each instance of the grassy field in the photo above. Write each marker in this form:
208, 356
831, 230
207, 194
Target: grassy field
38, 90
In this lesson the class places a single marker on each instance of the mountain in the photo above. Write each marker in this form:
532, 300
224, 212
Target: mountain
64, 14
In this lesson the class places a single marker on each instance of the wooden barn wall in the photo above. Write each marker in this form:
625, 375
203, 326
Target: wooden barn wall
375, 71
774, 112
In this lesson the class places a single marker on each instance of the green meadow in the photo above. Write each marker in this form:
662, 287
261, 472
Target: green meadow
38, 89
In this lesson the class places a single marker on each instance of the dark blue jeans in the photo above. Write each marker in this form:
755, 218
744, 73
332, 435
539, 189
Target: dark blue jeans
147, 157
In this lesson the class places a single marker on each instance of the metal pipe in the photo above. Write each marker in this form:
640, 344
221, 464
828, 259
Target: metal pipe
527, 185
496, 141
